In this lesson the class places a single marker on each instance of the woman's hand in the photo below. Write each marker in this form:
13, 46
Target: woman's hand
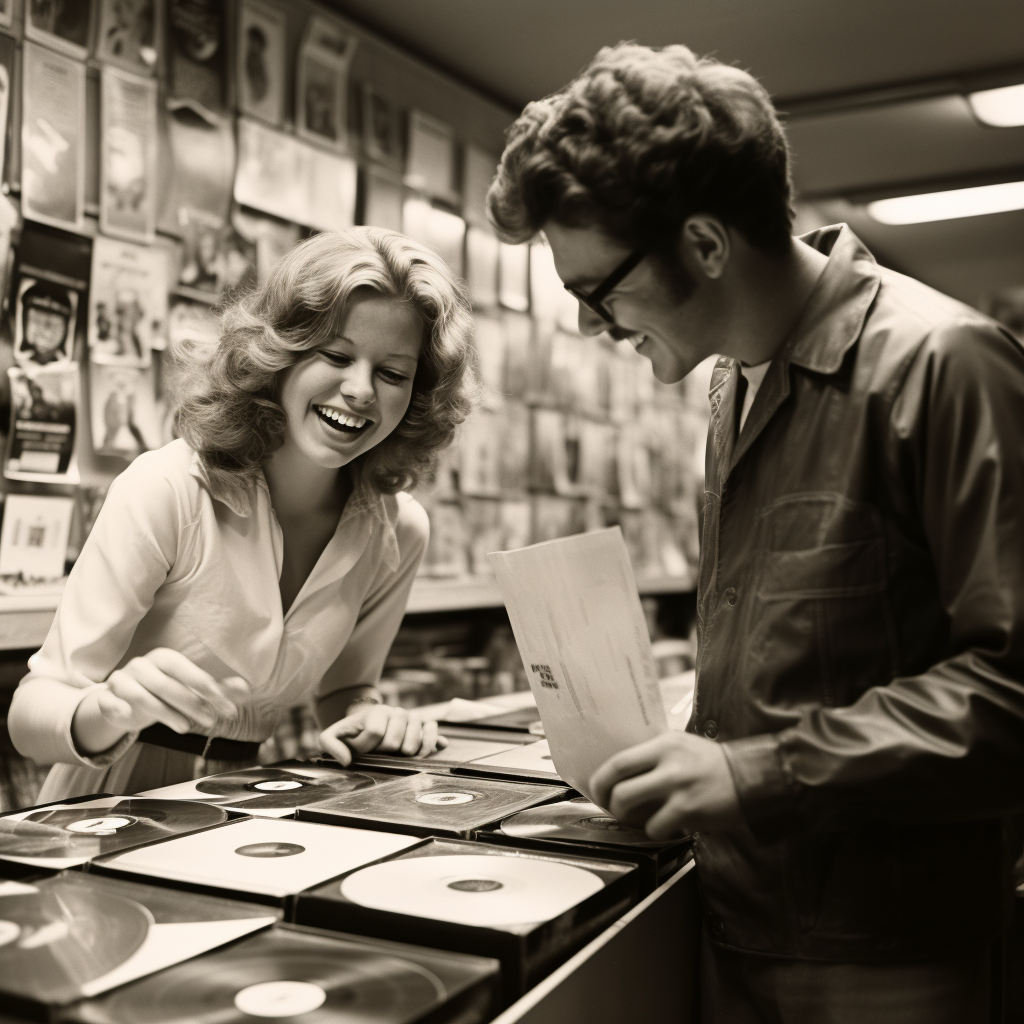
161, 686
383, 730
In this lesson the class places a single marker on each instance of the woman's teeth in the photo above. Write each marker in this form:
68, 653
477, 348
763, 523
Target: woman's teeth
637, 340
341, 421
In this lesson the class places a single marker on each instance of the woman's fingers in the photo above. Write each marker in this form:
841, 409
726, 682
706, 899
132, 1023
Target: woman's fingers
118, 712
174, 693
174, 665
147, 708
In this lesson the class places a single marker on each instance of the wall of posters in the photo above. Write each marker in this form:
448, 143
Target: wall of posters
260, 60
53, 138
34, 538
321, 82
61, 24
41, 440
128, 156
127, 302
197, 61
128, 33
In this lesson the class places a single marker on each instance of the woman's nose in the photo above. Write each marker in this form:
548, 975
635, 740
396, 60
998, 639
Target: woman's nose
357, 386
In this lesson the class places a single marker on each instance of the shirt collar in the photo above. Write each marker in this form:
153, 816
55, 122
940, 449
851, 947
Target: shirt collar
835, 312
240, 494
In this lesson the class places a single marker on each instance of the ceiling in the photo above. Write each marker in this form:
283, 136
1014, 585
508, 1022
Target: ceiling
872, 92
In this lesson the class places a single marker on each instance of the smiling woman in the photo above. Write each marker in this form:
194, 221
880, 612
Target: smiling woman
267, 554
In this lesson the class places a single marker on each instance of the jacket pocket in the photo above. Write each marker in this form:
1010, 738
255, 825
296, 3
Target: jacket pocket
853, 569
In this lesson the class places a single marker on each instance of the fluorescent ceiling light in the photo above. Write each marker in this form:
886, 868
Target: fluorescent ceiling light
999, 108
960, 202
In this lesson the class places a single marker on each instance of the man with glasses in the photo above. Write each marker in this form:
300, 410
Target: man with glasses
855, 758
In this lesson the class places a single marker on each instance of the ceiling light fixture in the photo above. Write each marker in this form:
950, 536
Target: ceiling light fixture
959, 202
999, 108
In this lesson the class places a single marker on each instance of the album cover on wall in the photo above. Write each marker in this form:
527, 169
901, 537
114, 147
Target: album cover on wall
53, 142
203, 158
482, 267
321, 86
34, 538
128, 155
127, 302
480, 460
272, 237
260, 60
125, 418
129, 33
197, 56
8, 56
514, 276
45, 314
7, 13
382, 200
382, 128
446, 548
478, 170
430, 157
484, 533
61, 24
198, 276
41, 440
437, 229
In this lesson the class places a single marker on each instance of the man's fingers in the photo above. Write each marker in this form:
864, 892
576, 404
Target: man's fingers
623, 765
430, 740
634, 800
668, 822
413, 736
337, 748
374, 725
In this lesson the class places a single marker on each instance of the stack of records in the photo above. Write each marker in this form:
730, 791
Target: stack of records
581, 827
277, 791
465, 743
268, 860
67, 835
307, 977
74, 936
530, 761
530, 910
428, 804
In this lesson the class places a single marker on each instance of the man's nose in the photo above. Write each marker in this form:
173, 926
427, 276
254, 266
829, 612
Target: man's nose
590, 323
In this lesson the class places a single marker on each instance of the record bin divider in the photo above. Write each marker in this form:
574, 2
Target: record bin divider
325, 816
496, 772
642, 968
527, 954
285, 903
656, 864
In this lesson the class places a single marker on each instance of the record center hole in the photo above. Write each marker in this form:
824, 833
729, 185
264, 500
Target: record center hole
270, 850
476, 885
280, 998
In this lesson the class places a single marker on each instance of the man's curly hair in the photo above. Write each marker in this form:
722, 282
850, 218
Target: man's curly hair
227, 407
640, 141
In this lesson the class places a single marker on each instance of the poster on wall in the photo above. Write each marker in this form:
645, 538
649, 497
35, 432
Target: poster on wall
125, 419
430, 164
437, 229
197, 57
9, 85
128, 34
478, 170
321, 82
53, 138
273, 239
382, 129
44, 321
128, 156
198, 276
382, 200
7, 13
482, 267
41, 440
260, 60
127, 302
514, 276
203, 156
34, 539
61, 24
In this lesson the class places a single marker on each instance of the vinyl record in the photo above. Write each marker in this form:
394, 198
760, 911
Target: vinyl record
577, 820
275, 787
441, 801
475, 889
55, 940
89, 830
283, 977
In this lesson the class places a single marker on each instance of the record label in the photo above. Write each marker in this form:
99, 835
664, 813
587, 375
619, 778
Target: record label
278, 786
271, 850
99, 826
441, 799
280, 998
475, 889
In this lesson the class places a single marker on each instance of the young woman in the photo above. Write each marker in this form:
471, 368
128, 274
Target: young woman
267, 554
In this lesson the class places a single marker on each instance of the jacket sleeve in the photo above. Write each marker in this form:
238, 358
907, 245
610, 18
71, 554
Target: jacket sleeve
946, 744
362, 659
125, 559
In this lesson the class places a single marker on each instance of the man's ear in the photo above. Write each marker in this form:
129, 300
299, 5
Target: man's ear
705, 243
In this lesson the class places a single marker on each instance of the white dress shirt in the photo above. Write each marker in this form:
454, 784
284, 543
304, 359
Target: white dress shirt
172, 563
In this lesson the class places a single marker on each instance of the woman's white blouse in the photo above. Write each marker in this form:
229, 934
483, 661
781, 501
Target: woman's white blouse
170, 564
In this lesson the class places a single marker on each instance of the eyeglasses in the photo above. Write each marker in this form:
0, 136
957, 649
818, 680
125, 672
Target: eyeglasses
594, 300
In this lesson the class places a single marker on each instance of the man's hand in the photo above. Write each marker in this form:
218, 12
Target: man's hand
670, 786
383, 730
161, 686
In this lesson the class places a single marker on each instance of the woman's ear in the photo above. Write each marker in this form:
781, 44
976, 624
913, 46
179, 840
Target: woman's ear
705, 244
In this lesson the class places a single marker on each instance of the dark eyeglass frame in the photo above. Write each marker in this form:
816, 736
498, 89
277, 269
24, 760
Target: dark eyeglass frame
594, 299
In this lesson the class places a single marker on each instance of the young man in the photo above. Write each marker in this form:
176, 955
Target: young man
856, 751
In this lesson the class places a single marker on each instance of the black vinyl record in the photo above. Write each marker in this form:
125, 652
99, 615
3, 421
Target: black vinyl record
89, 830
576, 820
275, 787
287, 977
54, 941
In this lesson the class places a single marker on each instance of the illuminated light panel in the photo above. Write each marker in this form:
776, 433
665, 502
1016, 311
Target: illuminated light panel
999, 108
959, 202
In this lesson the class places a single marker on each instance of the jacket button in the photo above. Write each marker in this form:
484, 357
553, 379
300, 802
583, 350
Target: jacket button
711, 728
730, 597
717, 928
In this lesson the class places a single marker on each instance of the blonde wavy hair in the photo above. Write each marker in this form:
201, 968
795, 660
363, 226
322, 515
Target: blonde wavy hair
227, 409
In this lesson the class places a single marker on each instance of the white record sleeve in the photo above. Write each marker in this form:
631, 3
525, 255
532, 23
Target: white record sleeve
531, 757
263, 855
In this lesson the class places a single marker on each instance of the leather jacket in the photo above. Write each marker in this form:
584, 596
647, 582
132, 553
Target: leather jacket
860, 618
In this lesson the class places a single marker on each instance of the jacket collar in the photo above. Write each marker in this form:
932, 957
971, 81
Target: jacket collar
241, 494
